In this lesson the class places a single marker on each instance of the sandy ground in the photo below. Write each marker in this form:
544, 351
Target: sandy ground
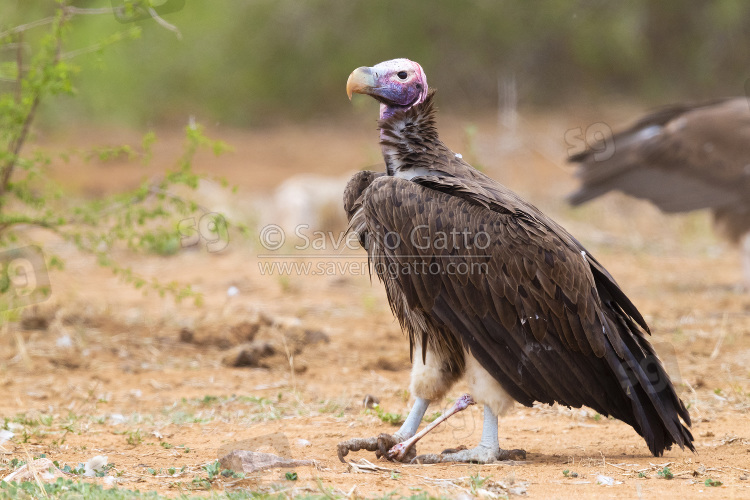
144, 381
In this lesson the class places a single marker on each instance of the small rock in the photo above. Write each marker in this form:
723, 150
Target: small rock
303, 443
36, 318
249, 354
187, 335
245, 331
34, 323
316, 336
69, 360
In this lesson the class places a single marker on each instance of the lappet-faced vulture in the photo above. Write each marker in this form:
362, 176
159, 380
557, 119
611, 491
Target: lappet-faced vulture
488, 287
681, 158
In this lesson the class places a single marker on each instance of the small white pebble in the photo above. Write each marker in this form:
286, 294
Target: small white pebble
117, 418
459, 156
5, 436
303, 443
606, 480
232, 291
64, 341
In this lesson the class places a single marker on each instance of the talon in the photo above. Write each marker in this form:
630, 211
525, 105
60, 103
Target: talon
381, 445
356, 444
385, 443
427, 458
453, 450
512, 455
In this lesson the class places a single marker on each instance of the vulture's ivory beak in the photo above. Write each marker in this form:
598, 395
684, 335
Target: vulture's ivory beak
361, 81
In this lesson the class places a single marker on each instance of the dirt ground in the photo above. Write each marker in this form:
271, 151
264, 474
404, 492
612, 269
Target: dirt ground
101, 369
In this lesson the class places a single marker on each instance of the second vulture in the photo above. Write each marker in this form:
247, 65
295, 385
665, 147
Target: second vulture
681, 158
489, 287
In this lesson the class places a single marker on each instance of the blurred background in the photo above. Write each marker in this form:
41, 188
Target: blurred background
257, 62
522, 87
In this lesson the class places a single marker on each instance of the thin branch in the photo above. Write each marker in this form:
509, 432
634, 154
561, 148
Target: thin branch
16, 144
91, 48
19, 64
71, 11
160, 20
15, 149
23, 219
154, 190
26, 27
84, 11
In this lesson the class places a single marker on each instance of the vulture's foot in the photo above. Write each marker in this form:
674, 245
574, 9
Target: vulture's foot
478, 455
379, 444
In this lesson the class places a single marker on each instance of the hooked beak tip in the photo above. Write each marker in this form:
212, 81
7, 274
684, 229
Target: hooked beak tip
360, 82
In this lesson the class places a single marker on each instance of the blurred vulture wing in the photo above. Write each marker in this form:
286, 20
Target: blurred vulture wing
525, 299
680, 158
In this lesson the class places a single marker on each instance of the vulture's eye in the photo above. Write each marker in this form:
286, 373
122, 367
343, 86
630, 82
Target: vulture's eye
401, 74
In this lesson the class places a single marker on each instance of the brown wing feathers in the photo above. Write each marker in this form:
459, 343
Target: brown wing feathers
541, 315
682, 158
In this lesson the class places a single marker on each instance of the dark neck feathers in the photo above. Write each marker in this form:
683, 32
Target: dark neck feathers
406, 135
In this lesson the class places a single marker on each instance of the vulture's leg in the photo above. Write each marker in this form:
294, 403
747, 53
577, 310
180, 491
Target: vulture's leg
429, 380
746, 261
496, 402
399, 451
411, 424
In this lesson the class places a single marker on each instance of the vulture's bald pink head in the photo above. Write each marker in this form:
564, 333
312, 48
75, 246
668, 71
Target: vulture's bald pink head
397, 84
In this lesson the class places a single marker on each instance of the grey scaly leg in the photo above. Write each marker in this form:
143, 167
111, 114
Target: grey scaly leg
411, 424
489, 430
